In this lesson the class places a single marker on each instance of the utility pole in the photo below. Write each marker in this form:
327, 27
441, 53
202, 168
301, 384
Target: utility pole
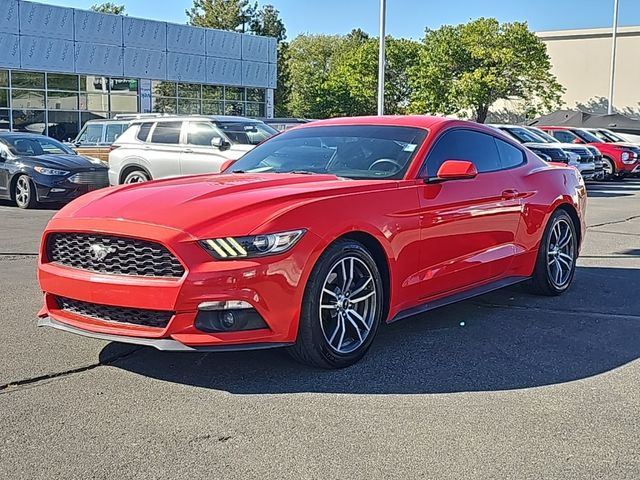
614, 41
381, 57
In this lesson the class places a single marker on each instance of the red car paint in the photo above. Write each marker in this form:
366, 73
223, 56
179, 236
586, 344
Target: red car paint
438, 239
613, 151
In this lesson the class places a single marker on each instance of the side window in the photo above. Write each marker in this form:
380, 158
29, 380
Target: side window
167, 132
510, 156
563, 136
92, 134
469, 145
112, 132
201, 133
143, 131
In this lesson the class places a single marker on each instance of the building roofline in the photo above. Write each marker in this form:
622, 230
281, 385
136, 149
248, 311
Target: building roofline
633, 31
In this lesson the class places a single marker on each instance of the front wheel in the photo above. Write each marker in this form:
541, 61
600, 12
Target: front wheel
24, 192
342, 308
136, 176
557, 256
609, 169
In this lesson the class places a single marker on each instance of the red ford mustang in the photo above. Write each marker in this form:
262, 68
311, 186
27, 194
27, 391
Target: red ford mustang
313, 239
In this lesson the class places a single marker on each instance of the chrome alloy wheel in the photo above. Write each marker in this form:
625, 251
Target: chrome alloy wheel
560, 253
136, 177
23, 191
348, 305
608, 167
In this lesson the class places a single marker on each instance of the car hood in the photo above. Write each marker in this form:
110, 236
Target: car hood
62, 162
199, 205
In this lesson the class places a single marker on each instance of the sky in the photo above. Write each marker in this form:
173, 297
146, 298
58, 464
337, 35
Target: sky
405, 18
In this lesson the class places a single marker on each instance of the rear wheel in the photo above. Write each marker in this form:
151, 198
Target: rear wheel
342, 308
24, 192
557, 256
136, 176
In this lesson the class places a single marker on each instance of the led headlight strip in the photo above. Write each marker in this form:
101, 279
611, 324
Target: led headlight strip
230, 248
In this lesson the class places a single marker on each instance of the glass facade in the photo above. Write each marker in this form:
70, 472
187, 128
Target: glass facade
58, 105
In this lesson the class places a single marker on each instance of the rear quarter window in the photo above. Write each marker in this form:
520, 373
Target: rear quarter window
143, 131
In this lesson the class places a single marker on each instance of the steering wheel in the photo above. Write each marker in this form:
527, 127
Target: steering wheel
385, 160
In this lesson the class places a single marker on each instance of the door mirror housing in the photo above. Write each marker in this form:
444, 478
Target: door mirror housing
456, 170
221, 143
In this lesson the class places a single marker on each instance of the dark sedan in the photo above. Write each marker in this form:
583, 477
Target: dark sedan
36, 169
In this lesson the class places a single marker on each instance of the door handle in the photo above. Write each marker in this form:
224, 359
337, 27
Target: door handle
187, 150
509, 194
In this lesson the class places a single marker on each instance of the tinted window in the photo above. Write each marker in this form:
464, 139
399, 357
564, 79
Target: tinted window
469, 145
34, 146
522, 135
201, 133
563, 136
510, 156
166, 132
113, 131
247, 133
143, 132
91, 134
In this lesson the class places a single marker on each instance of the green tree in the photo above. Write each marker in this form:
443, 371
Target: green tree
108, 7
266, 21
222, 14
471, 66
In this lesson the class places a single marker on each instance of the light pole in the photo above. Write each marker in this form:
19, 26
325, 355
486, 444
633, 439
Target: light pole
614, 41
381, 58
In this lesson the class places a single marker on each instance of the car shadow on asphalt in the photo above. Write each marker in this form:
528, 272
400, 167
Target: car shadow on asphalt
504, 340
613, 189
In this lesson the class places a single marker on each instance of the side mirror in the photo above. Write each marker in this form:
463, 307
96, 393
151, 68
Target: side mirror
577, 140
456, 170
221, 143
226, 165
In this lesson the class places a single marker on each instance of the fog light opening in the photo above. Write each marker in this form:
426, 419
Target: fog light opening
232, 316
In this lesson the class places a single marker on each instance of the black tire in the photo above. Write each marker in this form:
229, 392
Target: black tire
312, 346
24, 192
543, 282
135, 176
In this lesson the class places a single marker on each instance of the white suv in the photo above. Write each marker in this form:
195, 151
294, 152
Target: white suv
171, 146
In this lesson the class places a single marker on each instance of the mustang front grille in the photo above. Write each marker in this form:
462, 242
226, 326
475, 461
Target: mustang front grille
106, 313
113, 255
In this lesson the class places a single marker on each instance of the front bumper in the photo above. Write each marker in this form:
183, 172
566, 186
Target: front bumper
274, 286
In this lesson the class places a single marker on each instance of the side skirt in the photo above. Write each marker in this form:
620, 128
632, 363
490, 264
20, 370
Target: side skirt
458, 297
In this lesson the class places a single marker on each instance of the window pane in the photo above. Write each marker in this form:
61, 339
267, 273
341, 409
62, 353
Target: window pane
188, 107
27, 98
255, 94
113, 131
144, 130
57, 81
4, 98
188, 90
27, 80
234, 108
564, 136
94, 101
92, 134
164, 105
86, 116
4, 78
233, 93
163, 89
63, 125
62, 100
124, 103
32, 121
212, 92
475, 147
124, 86
4, 119
255, 110
166, 132
510, 156
210, 107
201, 133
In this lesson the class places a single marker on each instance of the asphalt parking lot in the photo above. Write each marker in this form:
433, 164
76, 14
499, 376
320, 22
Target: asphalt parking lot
529, 387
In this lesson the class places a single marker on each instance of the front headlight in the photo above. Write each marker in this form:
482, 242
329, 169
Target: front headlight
627, 157
232, 248
50, 171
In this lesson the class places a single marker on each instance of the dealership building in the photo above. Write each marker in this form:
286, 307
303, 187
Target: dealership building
60, 67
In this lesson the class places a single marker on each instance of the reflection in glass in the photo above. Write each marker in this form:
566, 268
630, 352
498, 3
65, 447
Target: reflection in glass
124, 103
210, 107
234, 108
255, 109
58, 81
255, 94
124, 86
164, 105
63, 125
27, 98
212, 92
27, 80
4, 98
86, 116
32, 121
4, 120
62, 100
233, 93
163, 89
188, 107
4, 78
189, 90
94, 101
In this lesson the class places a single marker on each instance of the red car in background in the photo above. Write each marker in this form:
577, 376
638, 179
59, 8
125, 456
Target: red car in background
313, 239
620, 159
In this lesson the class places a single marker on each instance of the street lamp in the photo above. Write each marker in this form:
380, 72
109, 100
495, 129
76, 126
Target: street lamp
381, 58
614, 41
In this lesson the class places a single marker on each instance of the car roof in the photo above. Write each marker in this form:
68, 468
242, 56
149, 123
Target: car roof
182, 118
23, 134
423, 121
107, 120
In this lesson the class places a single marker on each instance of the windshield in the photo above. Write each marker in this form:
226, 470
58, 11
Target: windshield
523, 135
247, 133
349, 151
545, 137
586, 136
35, 146
608, 136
